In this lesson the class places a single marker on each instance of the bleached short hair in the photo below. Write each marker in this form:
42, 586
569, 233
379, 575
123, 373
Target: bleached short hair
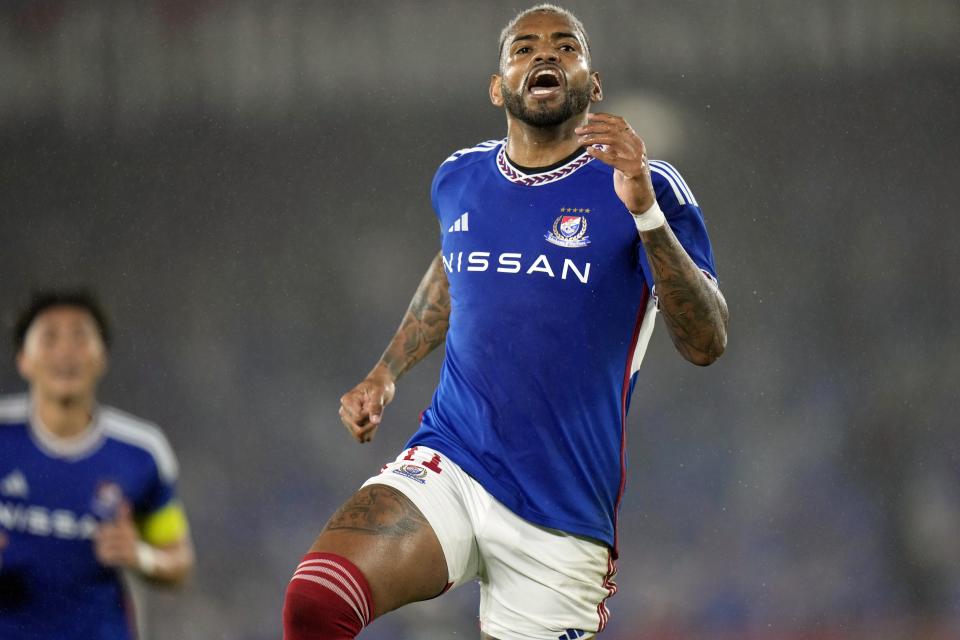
544, 7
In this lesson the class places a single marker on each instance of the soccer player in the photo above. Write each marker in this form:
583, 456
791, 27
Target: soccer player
85, 490
559, 244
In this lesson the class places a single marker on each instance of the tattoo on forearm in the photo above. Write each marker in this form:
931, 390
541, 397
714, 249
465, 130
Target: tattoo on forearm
378, 510
425, 324
694, 310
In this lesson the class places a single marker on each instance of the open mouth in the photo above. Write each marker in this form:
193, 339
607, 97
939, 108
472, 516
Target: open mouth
543, 82
65, 372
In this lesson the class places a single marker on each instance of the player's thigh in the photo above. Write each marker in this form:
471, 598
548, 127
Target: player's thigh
387, 537
410, 529
540, 583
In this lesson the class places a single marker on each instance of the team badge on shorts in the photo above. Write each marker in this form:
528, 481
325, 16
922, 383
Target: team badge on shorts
569, 231
412, 471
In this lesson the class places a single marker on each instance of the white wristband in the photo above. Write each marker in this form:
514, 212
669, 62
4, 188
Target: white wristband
652, 218
146, 559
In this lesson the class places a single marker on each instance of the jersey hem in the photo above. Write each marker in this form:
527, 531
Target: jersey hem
496, 490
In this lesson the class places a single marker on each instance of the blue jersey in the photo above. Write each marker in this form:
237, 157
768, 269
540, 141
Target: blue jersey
53, 493
551, 312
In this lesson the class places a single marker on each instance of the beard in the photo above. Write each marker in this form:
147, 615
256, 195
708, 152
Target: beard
575, 100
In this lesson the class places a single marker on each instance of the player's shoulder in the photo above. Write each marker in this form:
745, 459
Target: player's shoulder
469, 156
14, 409
667, 182
131, 431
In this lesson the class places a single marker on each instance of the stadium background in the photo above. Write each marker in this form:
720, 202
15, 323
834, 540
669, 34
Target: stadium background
246, 184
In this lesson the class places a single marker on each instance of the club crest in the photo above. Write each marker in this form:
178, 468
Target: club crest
106, 499
569, 231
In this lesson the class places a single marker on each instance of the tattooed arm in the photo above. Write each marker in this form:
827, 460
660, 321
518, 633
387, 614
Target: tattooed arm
424, 326
693, 307
423, 329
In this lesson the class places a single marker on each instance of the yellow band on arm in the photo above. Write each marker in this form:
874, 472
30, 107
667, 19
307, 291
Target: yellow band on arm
165, 526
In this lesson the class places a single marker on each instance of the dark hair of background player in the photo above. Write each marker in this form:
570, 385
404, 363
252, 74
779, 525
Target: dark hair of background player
40, 301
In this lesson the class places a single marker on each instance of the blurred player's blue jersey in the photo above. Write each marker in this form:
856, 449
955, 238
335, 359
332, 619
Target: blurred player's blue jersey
552, 309
52, 496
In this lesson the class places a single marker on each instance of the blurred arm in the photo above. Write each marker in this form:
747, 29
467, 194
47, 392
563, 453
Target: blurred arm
693, 307
167, 534
173, 563
158, 547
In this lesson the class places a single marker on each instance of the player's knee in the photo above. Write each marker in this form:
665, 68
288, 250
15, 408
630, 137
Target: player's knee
327, 598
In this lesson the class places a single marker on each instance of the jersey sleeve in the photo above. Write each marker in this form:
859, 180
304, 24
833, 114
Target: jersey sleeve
159, 514
434, 188
683, 214
457, 160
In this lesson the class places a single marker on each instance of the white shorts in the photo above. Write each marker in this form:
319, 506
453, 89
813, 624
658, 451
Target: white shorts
535, 583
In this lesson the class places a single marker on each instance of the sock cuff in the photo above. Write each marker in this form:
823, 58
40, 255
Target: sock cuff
337, 574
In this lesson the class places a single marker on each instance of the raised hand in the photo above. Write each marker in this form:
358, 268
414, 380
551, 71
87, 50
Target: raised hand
625, 152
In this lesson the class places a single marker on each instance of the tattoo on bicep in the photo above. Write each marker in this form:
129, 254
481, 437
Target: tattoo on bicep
425, 323
378, 510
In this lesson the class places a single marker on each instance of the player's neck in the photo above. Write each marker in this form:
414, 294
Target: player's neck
540, 147
63, 418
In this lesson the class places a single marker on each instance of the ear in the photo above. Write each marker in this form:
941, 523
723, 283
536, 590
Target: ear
103, 363
496, 96
596, 93
23, 365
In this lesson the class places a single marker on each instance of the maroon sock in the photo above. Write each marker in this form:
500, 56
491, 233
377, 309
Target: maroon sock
328, 598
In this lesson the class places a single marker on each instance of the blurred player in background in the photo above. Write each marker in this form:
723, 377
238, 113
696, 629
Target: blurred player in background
85, 490
556, 244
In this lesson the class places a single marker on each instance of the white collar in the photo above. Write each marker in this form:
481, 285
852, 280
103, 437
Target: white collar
72, 447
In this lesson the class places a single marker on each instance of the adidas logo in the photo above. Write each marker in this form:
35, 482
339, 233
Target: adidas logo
14, 485
462, 223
